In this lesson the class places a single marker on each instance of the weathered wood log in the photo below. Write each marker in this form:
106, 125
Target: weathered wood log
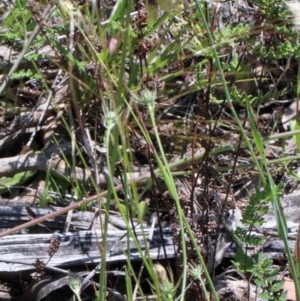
20, 252
12, 216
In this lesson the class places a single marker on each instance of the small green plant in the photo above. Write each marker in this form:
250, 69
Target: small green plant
74, 285
261, 269
166, 283
265, 276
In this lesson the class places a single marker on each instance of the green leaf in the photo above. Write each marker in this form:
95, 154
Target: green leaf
296, 126
142, 210
6, 183
118, 11
123, 210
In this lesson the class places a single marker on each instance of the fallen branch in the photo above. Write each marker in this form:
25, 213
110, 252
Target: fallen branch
20, 252
40, 162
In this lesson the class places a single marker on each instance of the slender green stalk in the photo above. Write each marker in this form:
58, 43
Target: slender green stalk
169, 181
128, 284
126, 44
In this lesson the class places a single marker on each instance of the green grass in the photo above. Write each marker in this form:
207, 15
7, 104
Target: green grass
124, 69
